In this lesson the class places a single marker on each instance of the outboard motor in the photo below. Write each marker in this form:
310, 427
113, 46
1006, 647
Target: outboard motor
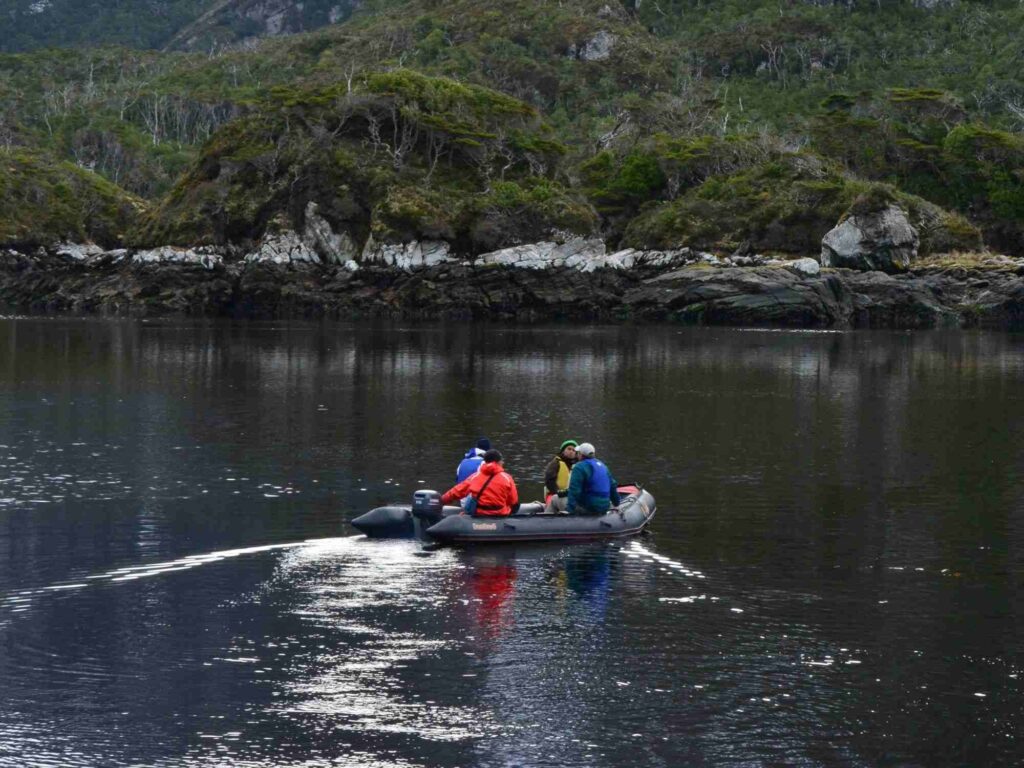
426, 506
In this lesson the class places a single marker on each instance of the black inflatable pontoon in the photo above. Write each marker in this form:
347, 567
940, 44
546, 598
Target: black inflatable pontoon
425, 517
408, 521
396, 521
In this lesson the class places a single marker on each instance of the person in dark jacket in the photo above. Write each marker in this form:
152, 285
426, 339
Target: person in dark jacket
556, 477
592, 489
472, 460
492, 487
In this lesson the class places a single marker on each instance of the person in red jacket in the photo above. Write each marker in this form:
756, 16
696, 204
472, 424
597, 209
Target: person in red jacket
492, 487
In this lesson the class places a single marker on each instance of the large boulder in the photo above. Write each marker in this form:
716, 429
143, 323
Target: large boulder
881, 240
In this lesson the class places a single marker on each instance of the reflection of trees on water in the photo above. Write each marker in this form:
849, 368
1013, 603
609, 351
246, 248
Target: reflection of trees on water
634, 391
845, 427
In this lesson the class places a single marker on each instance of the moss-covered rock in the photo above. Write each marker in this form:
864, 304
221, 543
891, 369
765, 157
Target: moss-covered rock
415, 213
524, 211
401, 156
786, 205
783, 205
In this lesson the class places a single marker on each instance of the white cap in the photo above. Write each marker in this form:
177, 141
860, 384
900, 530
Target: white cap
585, 449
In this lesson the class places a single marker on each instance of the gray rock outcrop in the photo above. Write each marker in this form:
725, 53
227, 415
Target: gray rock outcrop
590, 255
757, 296
575, 253
317, 244
259, 18
884, 240
204, 282
203, 257
597, 48
332, 247
283, 248
406, 256
807, 267
84, 252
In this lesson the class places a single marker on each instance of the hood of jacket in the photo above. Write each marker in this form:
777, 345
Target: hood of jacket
494, 468
473, 453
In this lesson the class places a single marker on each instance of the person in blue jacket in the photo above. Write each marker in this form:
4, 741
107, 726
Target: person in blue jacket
472, 460
592, 489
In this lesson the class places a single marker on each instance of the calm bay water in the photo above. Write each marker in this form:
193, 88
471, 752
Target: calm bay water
834, 576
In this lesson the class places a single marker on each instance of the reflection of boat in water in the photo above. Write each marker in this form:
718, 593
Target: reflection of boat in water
579, 579
426, 517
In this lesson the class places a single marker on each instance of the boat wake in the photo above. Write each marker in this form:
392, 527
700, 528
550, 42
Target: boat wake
20, 601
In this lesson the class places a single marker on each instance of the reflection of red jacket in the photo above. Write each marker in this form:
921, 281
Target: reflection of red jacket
493, 585
498, 497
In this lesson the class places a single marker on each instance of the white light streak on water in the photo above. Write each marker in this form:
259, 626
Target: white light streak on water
353, 582
637, 549
18, 602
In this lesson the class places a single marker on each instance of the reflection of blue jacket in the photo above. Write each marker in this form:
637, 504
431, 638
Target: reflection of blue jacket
590, 578
592, 489
469, 465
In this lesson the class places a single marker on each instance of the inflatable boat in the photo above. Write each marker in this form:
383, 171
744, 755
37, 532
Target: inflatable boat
426, 518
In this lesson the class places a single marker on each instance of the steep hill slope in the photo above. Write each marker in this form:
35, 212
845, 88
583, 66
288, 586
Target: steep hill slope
229, 22
182, 24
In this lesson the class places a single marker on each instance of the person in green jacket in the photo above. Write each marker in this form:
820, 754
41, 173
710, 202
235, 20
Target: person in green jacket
592, 489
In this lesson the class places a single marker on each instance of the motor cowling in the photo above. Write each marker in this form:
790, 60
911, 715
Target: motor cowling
427, 504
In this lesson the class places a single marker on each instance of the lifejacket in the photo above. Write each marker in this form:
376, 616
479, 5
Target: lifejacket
563, 474
561, 480
600, 481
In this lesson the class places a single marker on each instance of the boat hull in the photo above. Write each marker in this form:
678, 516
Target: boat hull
633, 515
399, 521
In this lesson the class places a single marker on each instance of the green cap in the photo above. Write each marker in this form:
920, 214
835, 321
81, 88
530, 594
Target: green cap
567, 443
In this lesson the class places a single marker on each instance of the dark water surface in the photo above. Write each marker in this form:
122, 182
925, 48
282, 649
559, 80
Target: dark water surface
834, 576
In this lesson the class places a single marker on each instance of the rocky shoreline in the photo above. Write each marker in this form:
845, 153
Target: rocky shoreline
539, 282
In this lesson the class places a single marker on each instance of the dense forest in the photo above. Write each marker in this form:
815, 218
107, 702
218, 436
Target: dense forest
711, 123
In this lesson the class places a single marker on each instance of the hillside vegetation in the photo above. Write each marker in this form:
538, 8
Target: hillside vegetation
42, 202
682, 122
400, 156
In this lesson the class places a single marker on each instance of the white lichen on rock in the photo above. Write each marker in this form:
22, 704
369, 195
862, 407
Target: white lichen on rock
168, 254
407, 256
